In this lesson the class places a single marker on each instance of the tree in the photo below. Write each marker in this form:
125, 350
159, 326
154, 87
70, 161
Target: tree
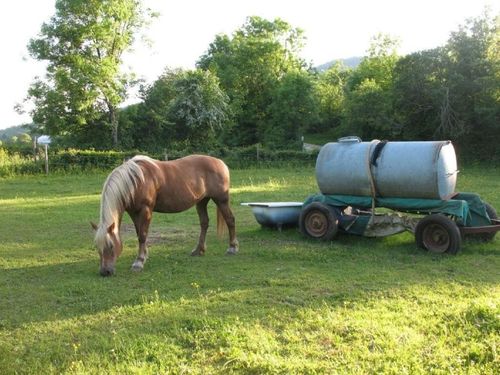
473, 81
330, 90
200, 109
419, 89
368, 106
153, 128
83, 44
186, 109
250, 65
294, 108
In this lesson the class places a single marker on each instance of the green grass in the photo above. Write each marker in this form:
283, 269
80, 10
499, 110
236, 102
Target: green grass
285, 304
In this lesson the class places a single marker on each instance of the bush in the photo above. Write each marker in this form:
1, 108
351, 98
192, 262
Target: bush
12, 163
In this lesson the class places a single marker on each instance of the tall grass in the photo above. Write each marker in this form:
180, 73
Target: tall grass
285, 304
13, 163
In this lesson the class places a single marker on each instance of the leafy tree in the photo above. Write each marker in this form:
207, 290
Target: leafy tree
130, 119
83, 44
250, 65
452, 92
294, 108
200, 109
368, 107
473, 81
330, 90
186, 109
153, 128
419, 88
25, 138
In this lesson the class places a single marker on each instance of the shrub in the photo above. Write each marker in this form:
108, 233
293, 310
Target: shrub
13, 163
71, 160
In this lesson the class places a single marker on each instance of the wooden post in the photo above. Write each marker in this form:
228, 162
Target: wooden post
46, 159
34, 148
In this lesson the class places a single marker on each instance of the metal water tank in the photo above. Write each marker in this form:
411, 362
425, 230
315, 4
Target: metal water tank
387, 169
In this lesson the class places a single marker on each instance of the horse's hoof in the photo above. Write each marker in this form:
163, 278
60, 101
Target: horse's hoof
137, 267
232, 251
197, 253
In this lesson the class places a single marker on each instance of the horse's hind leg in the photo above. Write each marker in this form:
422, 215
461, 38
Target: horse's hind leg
228, 216
141, 219
201, 208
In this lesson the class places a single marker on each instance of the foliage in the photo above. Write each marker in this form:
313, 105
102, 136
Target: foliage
418, 93
181, 110
473, 81
285, 304
250, 66
251, 87
147, 125
293, 109
83, 44
452, 91
200, 109
14, 164
73, 160
330, 92
369, 100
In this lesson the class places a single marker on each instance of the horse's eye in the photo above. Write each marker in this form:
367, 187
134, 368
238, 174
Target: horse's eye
108, 250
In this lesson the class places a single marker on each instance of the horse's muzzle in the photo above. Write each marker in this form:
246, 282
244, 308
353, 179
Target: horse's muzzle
106, 271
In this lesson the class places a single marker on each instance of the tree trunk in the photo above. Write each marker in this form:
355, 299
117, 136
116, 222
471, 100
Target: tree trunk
113, 120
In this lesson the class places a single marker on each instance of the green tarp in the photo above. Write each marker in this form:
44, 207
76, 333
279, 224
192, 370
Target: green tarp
467, 208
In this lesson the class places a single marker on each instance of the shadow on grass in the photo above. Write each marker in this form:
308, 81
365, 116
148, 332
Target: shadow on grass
279, 266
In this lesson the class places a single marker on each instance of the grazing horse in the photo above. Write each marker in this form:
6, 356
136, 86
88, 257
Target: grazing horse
143, 185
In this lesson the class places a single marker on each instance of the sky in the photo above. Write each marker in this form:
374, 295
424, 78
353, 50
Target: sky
185, 28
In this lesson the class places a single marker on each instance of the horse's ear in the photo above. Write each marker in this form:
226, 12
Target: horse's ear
111, 228
94, 226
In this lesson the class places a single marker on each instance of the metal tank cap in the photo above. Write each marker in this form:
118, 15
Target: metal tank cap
349, 139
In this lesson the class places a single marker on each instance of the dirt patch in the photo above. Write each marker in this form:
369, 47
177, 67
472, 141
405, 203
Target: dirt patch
156, 236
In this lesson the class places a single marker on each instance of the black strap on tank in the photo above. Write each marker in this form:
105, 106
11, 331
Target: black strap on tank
377, 152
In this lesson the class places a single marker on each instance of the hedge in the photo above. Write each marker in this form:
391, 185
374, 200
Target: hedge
84, 160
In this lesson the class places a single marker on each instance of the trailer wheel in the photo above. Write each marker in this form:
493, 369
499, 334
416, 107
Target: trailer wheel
319, 221
439, 234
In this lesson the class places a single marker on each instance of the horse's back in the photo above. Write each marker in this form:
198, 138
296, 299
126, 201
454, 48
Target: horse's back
183, 182
201, 163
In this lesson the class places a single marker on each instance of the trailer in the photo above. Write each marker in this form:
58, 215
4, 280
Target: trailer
438, 225
380, 188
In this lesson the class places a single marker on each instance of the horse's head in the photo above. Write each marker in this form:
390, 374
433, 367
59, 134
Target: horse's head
109, 247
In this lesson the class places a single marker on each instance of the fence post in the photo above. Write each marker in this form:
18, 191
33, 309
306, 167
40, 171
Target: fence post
46, 159
34, 148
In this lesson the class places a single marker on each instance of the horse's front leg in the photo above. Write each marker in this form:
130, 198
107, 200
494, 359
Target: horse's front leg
141, 219
201, 208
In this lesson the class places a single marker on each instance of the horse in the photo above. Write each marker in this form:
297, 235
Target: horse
142, 185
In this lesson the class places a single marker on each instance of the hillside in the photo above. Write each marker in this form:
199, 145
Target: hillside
351, 62
13, 131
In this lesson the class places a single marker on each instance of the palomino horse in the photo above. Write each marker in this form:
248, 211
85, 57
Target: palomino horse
143, 185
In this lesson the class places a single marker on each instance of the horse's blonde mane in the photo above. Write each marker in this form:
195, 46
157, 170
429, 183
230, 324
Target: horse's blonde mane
118, 192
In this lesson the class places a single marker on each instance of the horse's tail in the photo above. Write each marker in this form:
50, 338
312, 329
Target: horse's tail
221, 224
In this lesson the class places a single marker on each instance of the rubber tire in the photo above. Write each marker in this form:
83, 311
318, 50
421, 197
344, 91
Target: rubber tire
323, 217
446, 231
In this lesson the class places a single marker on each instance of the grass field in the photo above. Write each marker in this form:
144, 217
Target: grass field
285, 304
